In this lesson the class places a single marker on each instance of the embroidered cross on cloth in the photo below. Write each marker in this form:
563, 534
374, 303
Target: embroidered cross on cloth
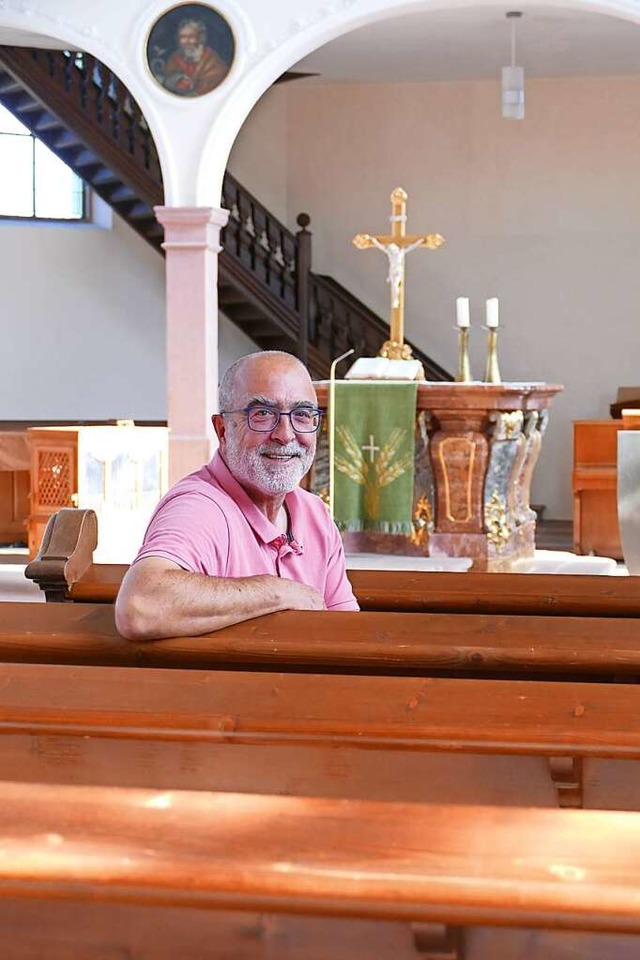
374, 460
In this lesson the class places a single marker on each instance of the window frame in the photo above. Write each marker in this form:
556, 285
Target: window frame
86, 207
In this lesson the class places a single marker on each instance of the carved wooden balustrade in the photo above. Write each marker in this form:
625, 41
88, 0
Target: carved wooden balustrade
80, 109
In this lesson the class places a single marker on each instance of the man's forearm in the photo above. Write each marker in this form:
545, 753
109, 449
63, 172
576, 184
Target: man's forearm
173, 603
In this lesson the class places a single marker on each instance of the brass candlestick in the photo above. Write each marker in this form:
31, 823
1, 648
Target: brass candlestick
492, 374
464, 370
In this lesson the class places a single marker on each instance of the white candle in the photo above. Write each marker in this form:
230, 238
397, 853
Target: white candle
462, 311
492, 312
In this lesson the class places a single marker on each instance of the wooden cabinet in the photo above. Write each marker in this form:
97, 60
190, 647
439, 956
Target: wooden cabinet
14, 486
118, 471
54, 477
595, 496
14, 506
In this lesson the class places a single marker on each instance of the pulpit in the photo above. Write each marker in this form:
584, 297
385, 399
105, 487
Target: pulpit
477, 445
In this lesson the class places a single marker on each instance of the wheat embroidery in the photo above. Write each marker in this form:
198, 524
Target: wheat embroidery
372, 476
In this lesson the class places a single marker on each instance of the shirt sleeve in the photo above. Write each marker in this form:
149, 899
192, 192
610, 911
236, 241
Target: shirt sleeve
338, 594
191, 530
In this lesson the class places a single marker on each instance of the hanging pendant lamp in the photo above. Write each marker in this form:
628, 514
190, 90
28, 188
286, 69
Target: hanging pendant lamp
513, 78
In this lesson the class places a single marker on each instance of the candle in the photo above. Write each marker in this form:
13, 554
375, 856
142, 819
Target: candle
492, 312
462, 311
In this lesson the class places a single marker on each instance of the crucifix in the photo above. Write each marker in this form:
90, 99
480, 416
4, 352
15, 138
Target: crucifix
397, 245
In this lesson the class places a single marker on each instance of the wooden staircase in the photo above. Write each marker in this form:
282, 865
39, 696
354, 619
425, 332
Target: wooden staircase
83, 113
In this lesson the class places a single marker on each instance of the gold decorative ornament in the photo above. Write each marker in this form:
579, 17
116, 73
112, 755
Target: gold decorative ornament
323, 493
393, 350
508, 426
422, 522
496, 521
396, 246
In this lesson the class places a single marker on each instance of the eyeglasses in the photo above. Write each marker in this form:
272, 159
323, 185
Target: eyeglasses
265, 419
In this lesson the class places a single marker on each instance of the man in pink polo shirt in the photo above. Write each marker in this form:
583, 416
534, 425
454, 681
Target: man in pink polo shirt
238, 538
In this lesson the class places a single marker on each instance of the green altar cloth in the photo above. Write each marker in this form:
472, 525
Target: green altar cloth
374, 461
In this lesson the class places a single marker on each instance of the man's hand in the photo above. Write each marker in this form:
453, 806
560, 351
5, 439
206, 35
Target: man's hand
298, 596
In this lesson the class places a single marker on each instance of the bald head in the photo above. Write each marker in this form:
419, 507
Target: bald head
244, 379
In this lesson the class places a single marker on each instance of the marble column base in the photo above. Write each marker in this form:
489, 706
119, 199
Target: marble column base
485, 554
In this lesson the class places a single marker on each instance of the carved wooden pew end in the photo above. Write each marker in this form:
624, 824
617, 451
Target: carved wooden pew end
66, 552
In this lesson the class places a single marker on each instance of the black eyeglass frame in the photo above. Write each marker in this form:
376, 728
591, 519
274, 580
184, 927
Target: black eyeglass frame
315, 411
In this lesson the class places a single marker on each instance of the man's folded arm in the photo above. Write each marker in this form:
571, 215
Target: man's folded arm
159, 599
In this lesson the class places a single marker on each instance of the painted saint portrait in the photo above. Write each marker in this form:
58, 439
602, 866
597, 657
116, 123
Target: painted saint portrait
190, 50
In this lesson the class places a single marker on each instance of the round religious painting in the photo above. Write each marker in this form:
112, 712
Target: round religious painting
190, 49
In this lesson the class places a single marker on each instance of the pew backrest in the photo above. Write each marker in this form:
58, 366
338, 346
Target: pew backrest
161, 728
385, 643
64, 570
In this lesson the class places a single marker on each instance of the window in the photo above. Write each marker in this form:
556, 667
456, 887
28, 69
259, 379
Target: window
35, 183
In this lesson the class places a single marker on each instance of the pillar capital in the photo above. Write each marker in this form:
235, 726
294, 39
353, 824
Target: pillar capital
192, 227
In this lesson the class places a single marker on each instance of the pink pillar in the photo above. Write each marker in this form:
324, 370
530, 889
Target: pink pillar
192, 244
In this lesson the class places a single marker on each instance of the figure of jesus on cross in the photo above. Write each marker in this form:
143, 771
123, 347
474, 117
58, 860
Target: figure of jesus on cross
397, 245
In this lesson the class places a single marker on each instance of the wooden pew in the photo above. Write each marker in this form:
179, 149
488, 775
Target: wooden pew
379, 737
575, 870
174, 729
363, 651
384, 643
64, 570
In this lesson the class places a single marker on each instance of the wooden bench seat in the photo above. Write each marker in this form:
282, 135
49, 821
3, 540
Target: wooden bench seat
576, 870
404, 738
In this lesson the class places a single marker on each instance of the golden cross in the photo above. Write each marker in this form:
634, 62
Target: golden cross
396, 245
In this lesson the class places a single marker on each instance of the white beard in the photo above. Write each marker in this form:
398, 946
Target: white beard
194, 54
270, 477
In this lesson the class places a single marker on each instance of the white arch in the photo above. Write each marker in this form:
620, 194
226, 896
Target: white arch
304, 35
194, 137
111, 40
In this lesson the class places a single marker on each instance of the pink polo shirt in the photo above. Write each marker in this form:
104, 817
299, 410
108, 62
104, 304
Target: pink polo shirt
208, 524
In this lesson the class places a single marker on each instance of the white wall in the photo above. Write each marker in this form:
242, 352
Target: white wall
544, 213
259, 159
83, 323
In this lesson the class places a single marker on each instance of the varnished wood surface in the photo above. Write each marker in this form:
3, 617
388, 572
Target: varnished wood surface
404, 713
100, 584
388, 642
594, 477
533, 594
415, 591
465, 865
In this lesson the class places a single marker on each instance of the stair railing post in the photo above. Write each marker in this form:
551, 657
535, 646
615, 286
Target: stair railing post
303, 268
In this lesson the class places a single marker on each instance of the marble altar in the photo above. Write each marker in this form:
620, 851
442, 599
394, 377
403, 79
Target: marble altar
477, 445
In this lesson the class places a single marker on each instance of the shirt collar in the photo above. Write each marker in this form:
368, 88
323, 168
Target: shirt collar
261, 526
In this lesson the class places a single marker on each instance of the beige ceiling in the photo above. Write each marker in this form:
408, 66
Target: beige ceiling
474, 42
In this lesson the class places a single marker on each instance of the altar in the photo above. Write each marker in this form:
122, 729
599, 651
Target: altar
476, 447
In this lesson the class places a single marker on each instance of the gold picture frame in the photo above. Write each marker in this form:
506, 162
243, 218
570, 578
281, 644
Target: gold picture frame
190, 50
